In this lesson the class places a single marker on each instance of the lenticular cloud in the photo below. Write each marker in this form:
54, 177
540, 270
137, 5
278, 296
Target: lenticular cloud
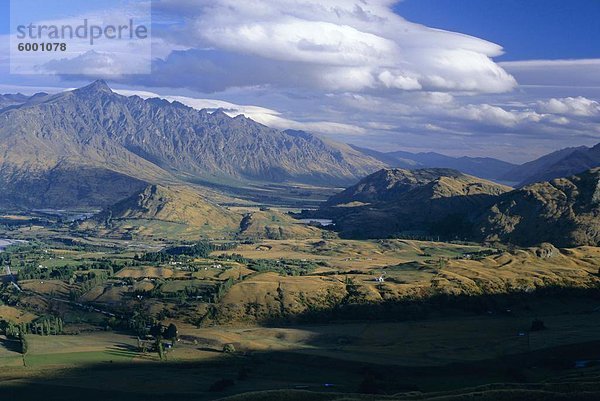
349, 45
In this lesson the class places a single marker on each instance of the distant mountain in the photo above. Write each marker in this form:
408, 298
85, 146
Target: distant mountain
18, 99
91, 146
563, 163
11, 100
391, 160
483, 167
404, 202
449, 204
564, 212
388, 185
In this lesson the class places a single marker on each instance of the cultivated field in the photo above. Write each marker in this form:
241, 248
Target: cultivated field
303, 318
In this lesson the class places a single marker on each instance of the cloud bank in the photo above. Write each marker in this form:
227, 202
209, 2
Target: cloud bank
338, 45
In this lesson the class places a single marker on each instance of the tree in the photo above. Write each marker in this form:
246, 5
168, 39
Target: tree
24, 344
157, 330
159, 348
171, 333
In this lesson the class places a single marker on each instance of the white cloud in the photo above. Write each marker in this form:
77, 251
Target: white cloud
356, 71
96, 64
343, 45
263, 115
556, 73
574, 106
495, 115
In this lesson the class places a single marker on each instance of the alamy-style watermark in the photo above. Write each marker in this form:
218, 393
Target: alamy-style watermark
80, 37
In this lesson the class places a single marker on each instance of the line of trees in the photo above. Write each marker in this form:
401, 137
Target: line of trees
222, 289
31, 272
200, 249
16, 332
90, 280
44, 326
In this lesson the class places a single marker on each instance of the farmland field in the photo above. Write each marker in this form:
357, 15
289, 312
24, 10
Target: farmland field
301, 357
325, 315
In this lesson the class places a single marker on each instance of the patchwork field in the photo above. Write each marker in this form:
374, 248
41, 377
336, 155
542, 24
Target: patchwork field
303, 319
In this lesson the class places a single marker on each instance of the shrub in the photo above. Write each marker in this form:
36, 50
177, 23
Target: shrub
229, 349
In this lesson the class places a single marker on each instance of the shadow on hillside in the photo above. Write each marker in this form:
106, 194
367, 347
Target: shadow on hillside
10, 345
438, 306
446, 218
262, 371
320, 368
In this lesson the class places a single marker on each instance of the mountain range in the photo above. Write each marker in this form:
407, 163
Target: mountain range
142, 161
449, 204
92, 146
562, 163
483, 167
398, 202
564, 212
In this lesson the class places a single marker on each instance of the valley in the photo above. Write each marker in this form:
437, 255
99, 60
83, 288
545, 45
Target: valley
291, 309
155, 251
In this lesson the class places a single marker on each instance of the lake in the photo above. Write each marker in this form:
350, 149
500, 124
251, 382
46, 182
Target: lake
7, 242
323, 222
4, 243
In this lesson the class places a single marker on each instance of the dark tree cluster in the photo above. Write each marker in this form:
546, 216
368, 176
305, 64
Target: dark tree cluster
44, 326
200, 249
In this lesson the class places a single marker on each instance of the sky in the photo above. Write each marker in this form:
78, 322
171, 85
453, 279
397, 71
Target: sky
510, 79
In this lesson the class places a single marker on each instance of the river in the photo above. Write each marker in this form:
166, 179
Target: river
323, 222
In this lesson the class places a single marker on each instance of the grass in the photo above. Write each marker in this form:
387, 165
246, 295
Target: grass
78, 358
425, 350
438, 354
16, 315
412, 270
349, 254
145, 272
48, 287
272, 224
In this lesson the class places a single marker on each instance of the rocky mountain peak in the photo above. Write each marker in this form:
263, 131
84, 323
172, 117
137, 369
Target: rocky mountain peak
99, 86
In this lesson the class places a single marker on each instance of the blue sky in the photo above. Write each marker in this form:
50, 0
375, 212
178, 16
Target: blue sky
512, 79
527, 29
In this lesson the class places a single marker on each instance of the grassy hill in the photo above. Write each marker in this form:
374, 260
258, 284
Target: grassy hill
397, 202
180, 212
343, 277
274, 225
564, 211
168, 212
